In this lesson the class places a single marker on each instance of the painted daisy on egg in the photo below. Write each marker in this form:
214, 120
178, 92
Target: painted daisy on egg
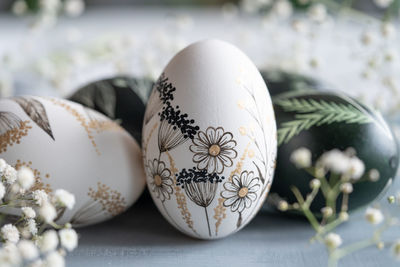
241, 192
214, 149
161, 182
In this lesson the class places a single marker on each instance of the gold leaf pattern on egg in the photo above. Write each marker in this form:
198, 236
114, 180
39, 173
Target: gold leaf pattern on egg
12, 130
180, 197
264, 152
95, 123
220, 210
104, 201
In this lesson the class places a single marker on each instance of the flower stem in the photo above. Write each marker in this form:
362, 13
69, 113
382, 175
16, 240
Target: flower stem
208, 222
306, 209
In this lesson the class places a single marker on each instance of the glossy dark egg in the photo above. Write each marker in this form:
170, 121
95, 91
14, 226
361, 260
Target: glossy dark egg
322, 121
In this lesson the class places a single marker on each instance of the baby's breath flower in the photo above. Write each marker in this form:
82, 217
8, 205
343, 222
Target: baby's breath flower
28, 212
9, 174
282, 9
315, 62
332, 241
391, 199
346, 188
356, 168
68, 239
396, 249
327, 212
373, 175
28, 250
74, 8
283, 205
48, 241
390, 55
40, 197
25, 178
344, 216
299, 26
54, 259
315, 183
3, 165
19, 7
380, 245
317, 12
2, 190
388, 30
301, 157
31, 226
64, 198
335, 160
48, 212
373, 216
10, 233
368, 37
9, 255
49, 5
383, 3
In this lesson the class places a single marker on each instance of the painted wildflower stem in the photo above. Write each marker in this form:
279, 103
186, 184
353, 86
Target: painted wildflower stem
200, 187
263, 152
175, 128
180, 197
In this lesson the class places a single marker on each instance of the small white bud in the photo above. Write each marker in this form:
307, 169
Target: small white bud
301, 157
396, 250
374, 216
332, 241
317, 12
388, 30
373, 175
367, 38
283, 205
346, 188
343, 216
327, 212
315, 183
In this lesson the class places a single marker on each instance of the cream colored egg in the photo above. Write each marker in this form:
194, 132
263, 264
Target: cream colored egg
76, 149
209, 140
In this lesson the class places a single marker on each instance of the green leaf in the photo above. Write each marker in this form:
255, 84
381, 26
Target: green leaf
311, 112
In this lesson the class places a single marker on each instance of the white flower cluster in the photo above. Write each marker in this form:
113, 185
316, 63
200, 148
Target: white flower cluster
50, 9
24, 240
336, 161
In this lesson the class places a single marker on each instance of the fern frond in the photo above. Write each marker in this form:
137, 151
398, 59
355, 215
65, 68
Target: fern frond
311, 112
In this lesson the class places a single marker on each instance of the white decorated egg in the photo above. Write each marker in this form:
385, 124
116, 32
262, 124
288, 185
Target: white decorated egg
209, 140
74, 148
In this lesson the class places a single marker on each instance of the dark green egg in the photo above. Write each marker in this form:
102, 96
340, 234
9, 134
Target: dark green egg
309, 116
279, 82
122, 99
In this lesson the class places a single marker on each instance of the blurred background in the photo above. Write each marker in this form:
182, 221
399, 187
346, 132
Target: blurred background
51, 47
